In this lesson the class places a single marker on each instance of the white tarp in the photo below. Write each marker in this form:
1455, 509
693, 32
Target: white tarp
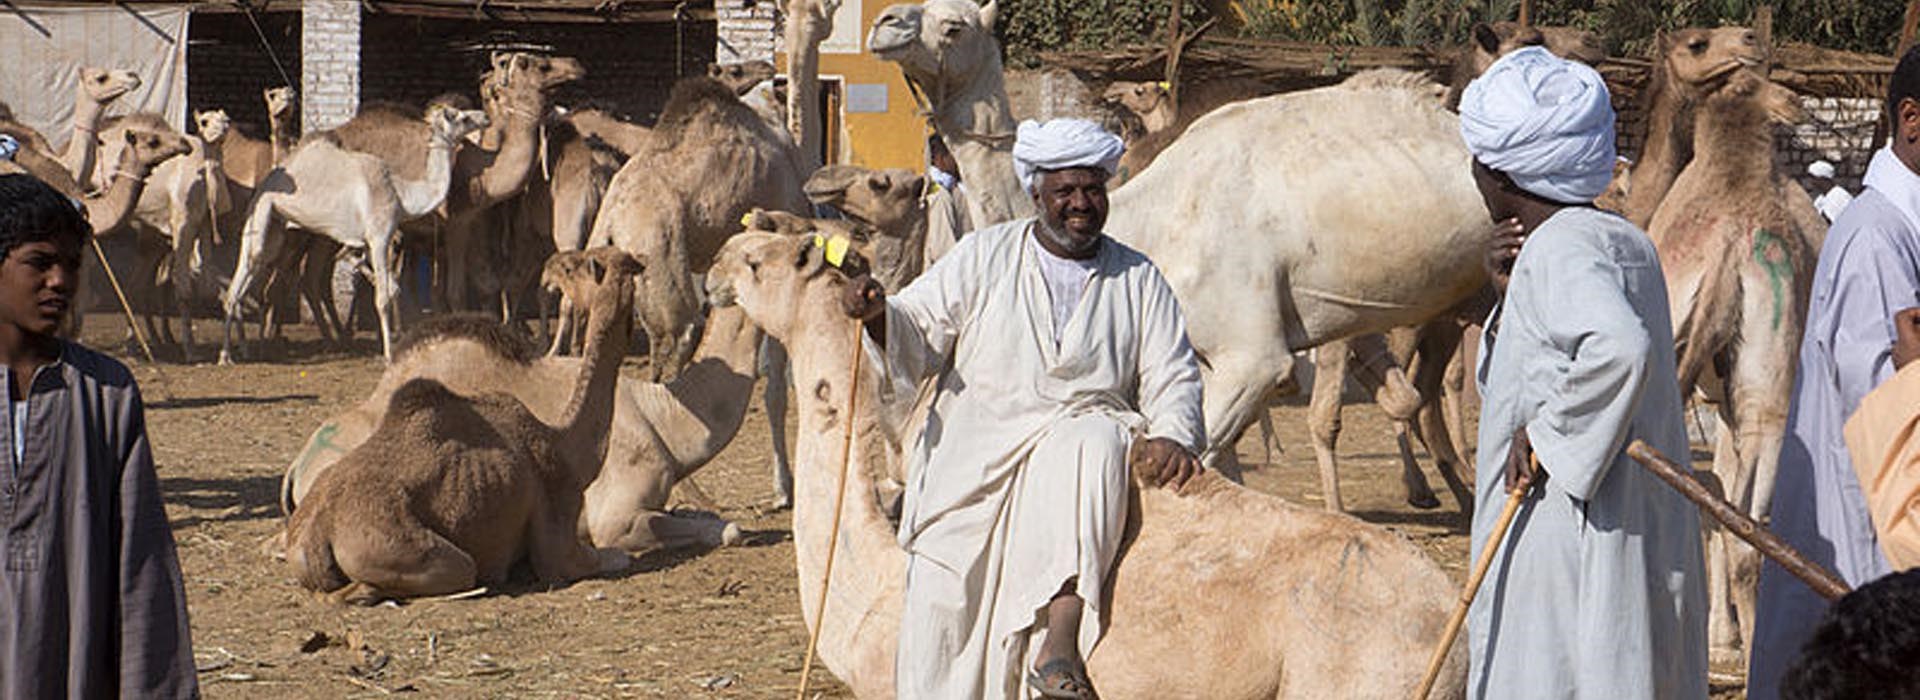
43, 48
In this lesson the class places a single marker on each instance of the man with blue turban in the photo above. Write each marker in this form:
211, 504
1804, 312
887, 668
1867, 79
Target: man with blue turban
1060, 361
1598, 591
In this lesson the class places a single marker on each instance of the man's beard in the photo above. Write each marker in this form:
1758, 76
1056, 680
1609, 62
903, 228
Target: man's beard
1074, 246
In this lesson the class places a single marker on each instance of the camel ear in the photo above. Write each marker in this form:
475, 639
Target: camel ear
988, 13
1486, 37
810, 259
498, 59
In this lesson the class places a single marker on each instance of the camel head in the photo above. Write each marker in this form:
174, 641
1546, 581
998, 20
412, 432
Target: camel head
449, 125
280, 101
888, 200
519, 68
939, 42
1139, 98
779, 280
151, 145
1696, 57
103, 86
213, 126
743, 76
559, 270
1747, 99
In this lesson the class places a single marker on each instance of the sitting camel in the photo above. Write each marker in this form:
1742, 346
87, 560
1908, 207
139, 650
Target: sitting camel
661, 433
453, 490
1272, 599
1739, 264
353, 198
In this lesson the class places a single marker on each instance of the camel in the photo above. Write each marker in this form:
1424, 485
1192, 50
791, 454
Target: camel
452, 491
1686, 63
741, 76
248, 160
1318, 273
1739, 267
957, 71
98, 87
145, 145
709, 161
625, 137
661, 433
353, 198
888, 200
1345, 608
518, 85
556, 212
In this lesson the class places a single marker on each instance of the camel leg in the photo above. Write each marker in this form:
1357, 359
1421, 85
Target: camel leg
1323, 416
180, 275
774, 365
386, 289
259, 241
1237, 390
553, 542
1437, 357
316, 285
652, 530
563, 323
400, 559
1723, 640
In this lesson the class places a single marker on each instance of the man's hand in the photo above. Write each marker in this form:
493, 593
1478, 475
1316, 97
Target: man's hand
1520, 462
863, 298
1163, 463
1502, 249
1906, 336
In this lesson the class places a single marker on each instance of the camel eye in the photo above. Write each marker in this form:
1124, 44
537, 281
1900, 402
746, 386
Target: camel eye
1698, 46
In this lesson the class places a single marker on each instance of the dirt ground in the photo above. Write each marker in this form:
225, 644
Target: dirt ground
720, 624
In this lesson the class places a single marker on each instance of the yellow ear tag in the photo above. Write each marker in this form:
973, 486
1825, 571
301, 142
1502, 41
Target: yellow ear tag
746, 220
835, 248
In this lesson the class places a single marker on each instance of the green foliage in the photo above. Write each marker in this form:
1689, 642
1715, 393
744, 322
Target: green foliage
1027, 27
1627, 26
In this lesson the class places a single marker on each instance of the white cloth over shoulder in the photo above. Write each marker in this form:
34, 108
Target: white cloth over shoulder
1545, 121
1059, 144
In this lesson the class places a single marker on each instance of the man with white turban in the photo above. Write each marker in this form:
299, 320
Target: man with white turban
1061, 362
1833, 198
1597, 591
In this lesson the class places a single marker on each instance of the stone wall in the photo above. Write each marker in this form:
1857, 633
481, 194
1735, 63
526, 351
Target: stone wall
330, 60
748, 30
1840, 131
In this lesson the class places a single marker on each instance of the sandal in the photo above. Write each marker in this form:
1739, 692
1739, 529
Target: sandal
1062, 678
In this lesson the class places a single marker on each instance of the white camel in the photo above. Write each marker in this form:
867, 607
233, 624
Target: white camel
352, 198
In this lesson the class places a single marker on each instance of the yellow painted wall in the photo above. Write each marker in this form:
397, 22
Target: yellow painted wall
895, 138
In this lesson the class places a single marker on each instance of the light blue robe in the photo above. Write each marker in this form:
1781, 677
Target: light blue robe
1869, 268
1600, 590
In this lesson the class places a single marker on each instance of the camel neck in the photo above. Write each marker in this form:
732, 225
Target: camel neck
1735, 141
588, 416
512, 164
709, 398
280, 135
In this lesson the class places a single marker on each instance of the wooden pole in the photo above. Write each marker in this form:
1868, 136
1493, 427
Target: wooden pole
1817, 577
1526, 13
833, 532
1515, 496
1763, 31
1174, 46
133, 324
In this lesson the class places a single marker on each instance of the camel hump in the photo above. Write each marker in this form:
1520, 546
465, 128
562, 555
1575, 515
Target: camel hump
501, 339
1397, 79
692, 96
419, 395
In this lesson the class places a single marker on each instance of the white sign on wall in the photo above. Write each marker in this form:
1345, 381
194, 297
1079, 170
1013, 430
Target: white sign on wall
848, 31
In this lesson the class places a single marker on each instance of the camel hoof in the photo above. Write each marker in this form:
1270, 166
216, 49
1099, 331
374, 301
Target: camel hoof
732, 536
1424, 502
1726, 657
226, 360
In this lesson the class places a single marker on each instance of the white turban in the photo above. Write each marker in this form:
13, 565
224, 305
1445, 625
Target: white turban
1820, 168
1545, 121
1063, 143
8, 147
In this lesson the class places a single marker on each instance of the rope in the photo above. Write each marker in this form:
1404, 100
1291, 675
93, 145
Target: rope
264, 44
166, 387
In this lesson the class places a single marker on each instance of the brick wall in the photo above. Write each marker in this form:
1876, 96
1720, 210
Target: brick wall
227, 68
630, 67
1839, 132
330, 53
747, 30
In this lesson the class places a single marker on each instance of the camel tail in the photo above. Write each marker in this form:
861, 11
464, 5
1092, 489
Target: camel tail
310, 556
1709, 326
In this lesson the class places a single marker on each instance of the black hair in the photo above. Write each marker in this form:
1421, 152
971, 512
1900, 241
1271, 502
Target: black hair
1904, 85
32, 211
1867, 646
935, 144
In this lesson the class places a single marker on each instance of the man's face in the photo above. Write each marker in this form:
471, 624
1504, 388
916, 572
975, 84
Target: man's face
943, 159
37, 282
1494, 190
1073, 205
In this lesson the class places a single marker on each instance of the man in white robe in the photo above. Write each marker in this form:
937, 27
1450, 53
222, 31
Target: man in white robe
1598, 591
947, 217
1054, 348
1833, 199
1869, 268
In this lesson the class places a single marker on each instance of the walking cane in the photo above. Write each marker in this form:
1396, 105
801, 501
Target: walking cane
1514, 496
1817, 577
833, 538
133, 324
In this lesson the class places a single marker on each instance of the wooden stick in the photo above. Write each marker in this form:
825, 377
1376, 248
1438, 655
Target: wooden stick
1514, 497
1817, 577
833, 536
133, 324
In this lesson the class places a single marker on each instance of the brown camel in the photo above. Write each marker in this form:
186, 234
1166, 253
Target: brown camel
1739, 266
661, 433
186, 197
144, 145
1686, 63
452, 491
1345, 608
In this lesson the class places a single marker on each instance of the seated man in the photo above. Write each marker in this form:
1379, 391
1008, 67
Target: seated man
1054, 349
1867, 647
